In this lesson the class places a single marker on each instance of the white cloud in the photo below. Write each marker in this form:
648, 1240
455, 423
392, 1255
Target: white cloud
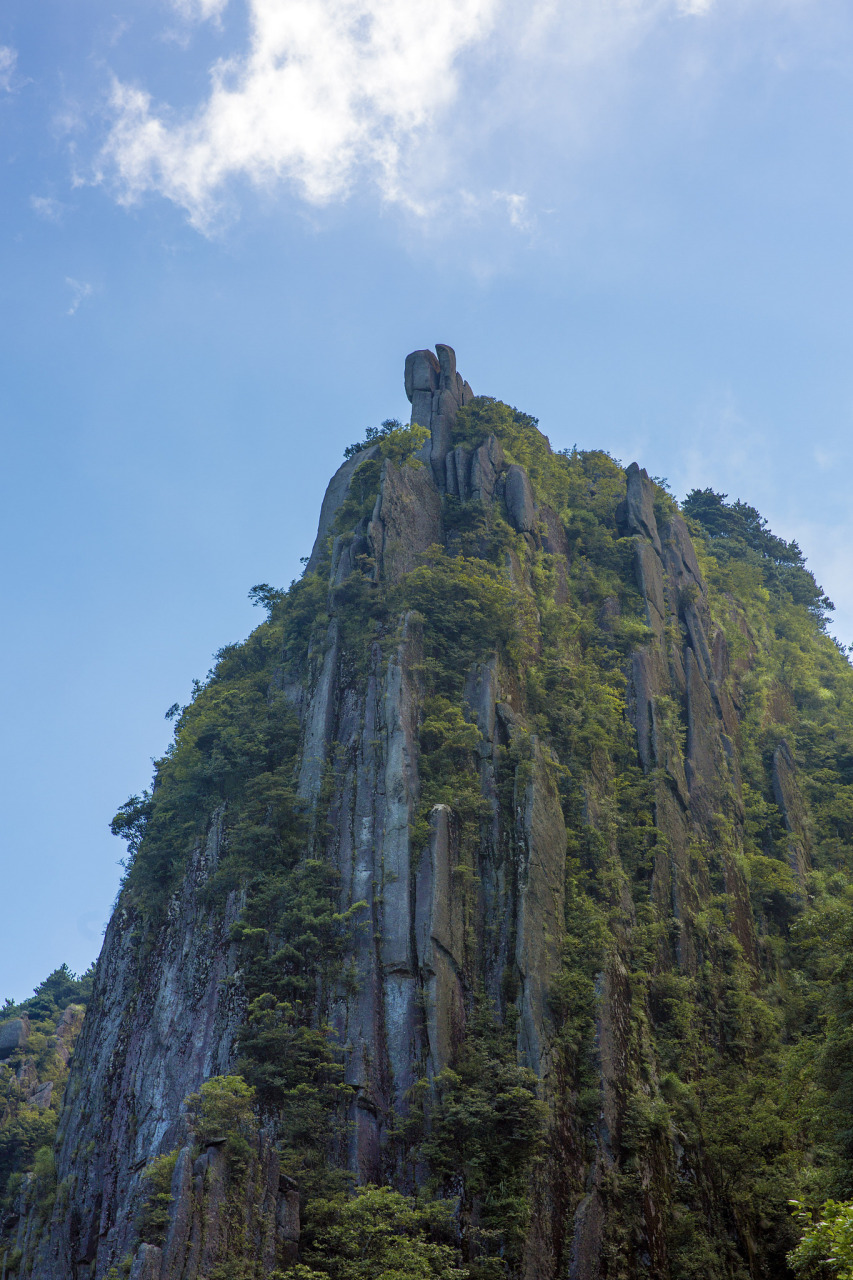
516, 207
328, 93
328, 88
200, 9
8, 63
48, 209
79, 292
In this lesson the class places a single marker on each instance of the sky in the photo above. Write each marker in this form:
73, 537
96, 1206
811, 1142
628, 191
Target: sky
223, 225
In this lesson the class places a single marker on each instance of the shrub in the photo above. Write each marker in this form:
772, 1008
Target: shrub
378, 1234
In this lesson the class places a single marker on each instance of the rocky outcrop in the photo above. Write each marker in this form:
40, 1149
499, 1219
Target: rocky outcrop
406, 520
334, 498
13, 1035
520, 503
789, 798
164, 1013
683, 715
436, 392
442, 914
440, 942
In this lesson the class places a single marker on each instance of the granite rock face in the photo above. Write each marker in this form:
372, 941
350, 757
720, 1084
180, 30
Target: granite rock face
789, 798
13, 1035
436, 392
438, 921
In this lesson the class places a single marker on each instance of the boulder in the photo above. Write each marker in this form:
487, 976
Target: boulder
13, 1035
41, 1096
520, 503
421, 373
447, 362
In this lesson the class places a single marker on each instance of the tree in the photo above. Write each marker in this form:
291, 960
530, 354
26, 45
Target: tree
378, 1234
826, 1248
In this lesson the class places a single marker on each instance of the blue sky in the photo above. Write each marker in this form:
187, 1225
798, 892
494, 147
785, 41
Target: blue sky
224, 224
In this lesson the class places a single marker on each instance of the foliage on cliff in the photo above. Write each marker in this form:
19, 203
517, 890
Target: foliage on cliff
733, 1009
32, 1079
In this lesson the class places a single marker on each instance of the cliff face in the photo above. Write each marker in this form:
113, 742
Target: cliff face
515, 737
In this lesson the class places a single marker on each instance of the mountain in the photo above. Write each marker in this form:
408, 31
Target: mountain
503, 872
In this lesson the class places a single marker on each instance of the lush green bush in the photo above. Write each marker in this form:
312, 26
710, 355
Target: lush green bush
825, 1251
396, 441
484, 1132
378, 1234
223, 1106
157, 1202
469, 610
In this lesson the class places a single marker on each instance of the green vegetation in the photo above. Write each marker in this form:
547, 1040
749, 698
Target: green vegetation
157, 1198
396, 441
736, 530
378, 1234
826, 1247
716, 939
32, 1084
27, 1122
486, 1128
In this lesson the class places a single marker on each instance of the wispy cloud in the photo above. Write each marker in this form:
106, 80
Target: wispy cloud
200, 9
8, 65
79, 292
328, 94
48, 209
327, 88
516, 205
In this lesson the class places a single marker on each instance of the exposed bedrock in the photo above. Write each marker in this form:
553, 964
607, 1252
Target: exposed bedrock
439, 918
684, 717
436, 392
789, 798
165, 1010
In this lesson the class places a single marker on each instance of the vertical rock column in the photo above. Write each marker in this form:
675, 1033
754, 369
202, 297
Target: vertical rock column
436, 391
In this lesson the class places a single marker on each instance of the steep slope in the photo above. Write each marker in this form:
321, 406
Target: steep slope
508, 863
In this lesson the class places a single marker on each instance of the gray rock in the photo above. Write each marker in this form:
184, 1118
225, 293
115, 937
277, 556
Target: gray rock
41, 1096
180, 1214
554, 539
288, 1224
336, 493
13, 1035
520, 503
318, 728
447, 361
436, 393
640, 509
67, 1029
407, 519
422, 408
649, 573
789, 798
440, 430
542, 875
421, 373
458, 465
487, 462
439, 940
146, 1264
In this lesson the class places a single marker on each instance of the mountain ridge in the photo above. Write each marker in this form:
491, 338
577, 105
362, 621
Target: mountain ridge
481, 870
